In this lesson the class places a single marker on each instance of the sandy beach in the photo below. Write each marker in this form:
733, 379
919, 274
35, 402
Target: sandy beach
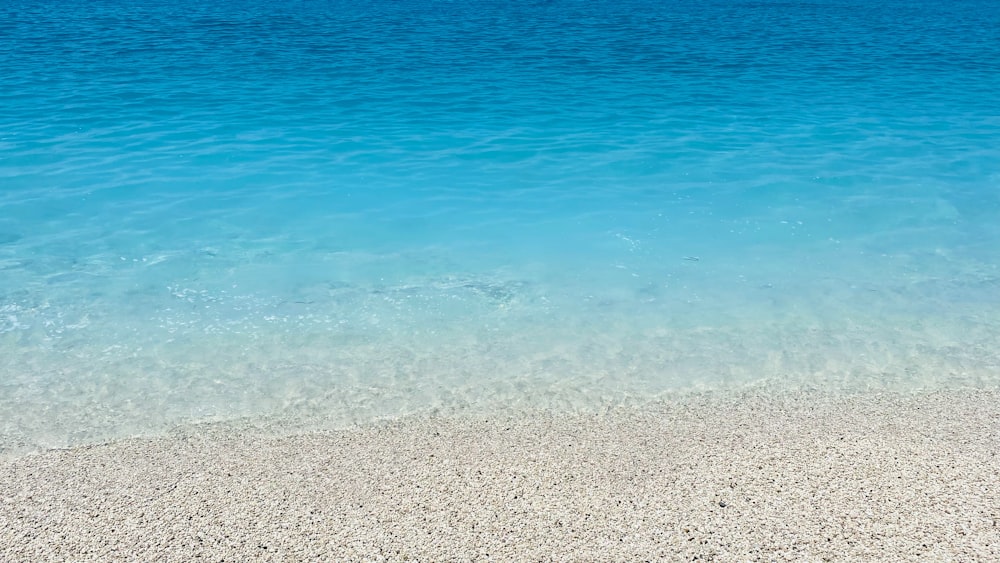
727, 477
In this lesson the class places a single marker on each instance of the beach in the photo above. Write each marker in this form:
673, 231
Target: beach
739, 476
499, 281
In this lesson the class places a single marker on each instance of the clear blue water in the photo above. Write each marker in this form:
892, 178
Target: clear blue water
336, 211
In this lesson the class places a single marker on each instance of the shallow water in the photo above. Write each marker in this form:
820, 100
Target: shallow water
343, 211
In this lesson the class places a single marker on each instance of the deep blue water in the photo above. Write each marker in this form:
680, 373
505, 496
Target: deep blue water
336, 211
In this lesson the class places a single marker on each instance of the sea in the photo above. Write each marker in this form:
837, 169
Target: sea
340, 212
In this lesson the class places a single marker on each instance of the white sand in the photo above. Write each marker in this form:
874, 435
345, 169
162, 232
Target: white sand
747, 477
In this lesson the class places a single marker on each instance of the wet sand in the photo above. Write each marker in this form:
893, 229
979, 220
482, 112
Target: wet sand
749, 476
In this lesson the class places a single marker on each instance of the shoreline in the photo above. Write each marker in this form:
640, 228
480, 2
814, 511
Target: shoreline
725, 476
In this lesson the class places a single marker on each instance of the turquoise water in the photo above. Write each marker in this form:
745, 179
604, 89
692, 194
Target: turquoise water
335, 211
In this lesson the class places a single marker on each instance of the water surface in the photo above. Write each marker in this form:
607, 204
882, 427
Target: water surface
342, 210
